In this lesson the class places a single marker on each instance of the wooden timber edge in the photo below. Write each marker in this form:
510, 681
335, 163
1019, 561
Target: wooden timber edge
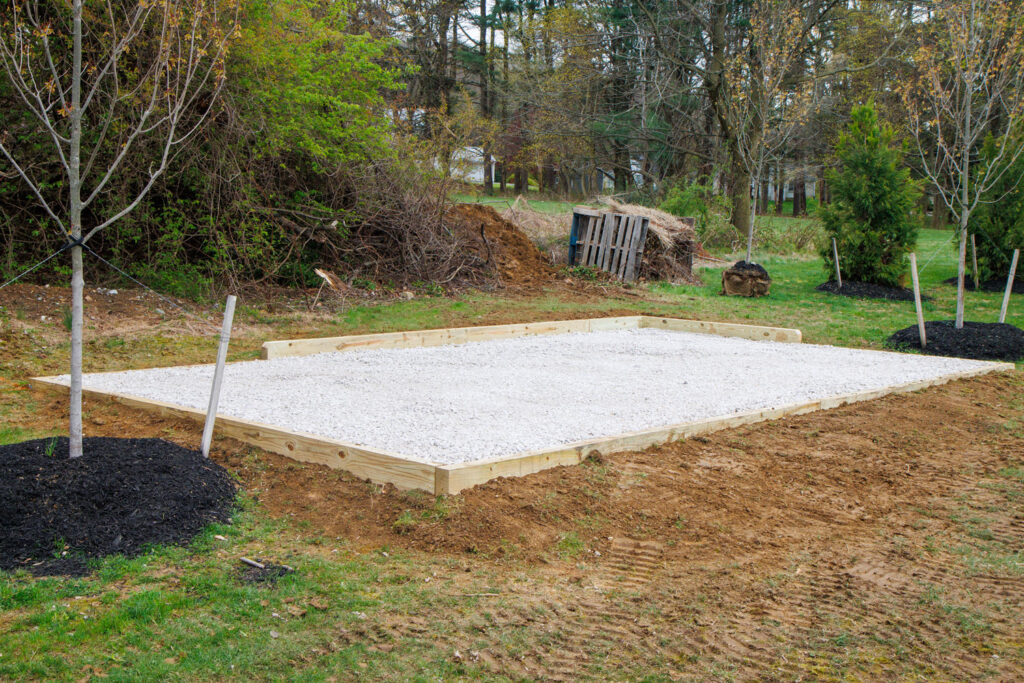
450, 479
377, 466
462, 335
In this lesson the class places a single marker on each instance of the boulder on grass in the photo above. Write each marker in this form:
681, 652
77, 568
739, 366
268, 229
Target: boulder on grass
745, 279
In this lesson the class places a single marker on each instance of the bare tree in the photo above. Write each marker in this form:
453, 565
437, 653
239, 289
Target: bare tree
768, 90
98, 83
969, 85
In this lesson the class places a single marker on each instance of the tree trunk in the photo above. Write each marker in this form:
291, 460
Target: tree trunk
799, 195
485, 105
521, 180
750, 220
780, 190
739, 192
940, 213
762, 204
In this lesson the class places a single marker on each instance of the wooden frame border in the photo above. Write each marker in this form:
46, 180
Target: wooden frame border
379, 467
454, 478
407, 472
463, 335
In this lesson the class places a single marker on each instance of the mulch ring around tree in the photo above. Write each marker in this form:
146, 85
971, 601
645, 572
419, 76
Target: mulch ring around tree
869, 290
122, 496
981, 341
994, 285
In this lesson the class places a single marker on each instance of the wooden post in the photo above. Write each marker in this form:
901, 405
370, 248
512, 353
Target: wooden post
917, 301
218, 374
835, 254
1009, 286
974, 258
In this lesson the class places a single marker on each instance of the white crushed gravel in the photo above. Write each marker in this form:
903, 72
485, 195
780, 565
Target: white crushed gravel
453, 404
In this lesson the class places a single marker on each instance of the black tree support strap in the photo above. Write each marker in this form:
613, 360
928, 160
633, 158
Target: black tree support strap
72, 243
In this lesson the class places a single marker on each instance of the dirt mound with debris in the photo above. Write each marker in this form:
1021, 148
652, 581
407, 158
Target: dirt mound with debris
981, 341
869, 290
504, 247
121, 496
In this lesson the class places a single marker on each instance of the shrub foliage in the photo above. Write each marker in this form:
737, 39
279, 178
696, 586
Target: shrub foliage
873, 196
998, 222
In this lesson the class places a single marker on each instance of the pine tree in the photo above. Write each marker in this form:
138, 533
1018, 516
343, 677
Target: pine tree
872, 200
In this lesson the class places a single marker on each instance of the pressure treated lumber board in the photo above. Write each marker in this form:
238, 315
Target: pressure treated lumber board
754, 332
450, 479
377, 466
462, 335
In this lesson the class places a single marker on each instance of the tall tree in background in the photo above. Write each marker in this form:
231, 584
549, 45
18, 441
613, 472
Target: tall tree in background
100, 83
768, 93
969, 84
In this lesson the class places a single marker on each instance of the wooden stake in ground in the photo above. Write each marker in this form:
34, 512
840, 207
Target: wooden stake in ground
835, 254
1009, 286
974, 258
218, 374
917, 301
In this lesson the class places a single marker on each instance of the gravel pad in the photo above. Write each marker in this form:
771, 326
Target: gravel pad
453, 404
121, 496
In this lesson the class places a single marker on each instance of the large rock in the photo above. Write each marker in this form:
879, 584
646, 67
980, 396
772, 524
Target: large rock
746, 279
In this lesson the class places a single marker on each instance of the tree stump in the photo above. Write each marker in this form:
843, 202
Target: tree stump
745, 279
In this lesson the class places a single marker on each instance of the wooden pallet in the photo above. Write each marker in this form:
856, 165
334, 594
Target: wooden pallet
612, 242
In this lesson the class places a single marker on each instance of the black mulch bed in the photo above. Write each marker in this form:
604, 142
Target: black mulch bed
868, 290
983, 341
751, 266
121, 496
993, 285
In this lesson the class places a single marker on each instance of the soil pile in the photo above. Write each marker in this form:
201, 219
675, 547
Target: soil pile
869, 290
671, 244
120, 497
982, 341
993, 285
504, 246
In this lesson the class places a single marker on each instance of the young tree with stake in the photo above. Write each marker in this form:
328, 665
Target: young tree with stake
969, 85
100, 81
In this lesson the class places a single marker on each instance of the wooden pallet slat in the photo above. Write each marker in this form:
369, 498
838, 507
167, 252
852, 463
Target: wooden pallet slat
608, 231
621, 227
641, 242
636, 249
627, 247
583, 258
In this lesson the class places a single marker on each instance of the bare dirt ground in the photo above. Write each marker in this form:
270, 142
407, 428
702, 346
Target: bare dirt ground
877, 541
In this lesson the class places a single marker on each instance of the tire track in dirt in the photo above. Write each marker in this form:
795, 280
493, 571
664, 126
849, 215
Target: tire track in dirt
600, 622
